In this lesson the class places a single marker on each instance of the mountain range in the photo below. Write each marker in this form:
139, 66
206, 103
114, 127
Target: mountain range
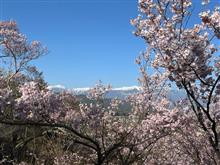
120, 93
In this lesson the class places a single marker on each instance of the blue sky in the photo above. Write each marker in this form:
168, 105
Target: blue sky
88, 40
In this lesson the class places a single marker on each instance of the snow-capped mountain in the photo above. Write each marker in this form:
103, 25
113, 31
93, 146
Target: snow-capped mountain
120, 93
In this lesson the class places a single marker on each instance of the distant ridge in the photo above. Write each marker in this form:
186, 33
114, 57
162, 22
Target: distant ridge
84, 89
119, 92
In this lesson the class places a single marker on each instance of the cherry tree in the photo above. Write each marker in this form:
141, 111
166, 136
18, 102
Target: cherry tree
187, 55
15, 57
16, 50
89, 133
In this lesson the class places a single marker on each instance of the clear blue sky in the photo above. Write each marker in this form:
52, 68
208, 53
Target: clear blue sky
88, 40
